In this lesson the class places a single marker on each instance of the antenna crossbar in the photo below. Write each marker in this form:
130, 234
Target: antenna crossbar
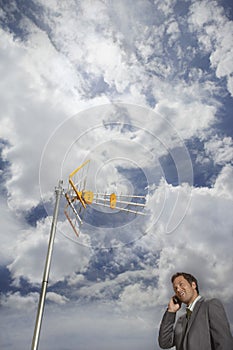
119, 195
121, 209
121, 202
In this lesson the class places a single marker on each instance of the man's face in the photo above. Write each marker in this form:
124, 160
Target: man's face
184, 291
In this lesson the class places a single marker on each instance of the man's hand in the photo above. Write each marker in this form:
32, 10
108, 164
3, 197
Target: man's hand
173, 307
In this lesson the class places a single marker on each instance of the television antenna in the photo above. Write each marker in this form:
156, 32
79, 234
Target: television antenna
77, 200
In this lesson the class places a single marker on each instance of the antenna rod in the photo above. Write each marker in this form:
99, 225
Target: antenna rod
40, 310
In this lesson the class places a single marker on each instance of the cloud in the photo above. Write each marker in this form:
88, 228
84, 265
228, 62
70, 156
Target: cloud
223, 184
56, 298
20, 302
219, 149
56, 76
30, 253
11, 228
201, 244
138, 296
214, 35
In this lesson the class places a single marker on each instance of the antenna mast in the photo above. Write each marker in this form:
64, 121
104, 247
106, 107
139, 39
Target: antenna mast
40, 311
78, 198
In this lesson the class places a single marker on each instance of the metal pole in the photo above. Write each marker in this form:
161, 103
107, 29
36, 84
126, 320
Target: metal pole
36, 336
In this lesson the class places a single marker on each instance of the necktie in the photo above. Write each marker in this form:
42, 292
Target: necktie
188, 313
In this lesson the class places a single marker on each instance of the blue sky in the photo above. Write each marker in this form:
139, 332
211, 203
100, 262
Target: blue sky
144, 90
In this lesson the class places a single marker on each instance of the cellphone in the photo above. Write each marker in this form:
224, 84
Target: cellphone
176, 300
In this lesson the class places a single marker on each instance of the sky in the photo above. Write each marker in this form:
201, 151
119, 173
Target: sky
142, 89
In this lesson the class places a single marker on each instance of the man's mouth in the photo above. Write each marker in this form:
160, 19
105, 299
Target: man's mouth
181, 294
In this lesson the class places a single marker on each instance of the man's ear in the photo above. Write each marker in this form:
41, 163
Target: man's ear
194, 286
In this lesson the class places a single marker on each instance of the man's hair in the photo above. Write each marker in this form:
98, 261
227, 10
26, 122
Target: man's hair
190, 278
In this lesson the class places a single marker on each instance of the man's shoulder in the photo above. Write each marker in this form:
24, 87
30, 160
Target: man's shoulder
210, 302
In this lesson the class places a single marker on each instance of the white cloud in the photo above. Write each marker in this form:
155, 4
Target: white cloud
31, 111
202, 242
30, 253
56, 298
47, 74
16, 301
75, 278
219, 149
178, 111
11, 227
215, 35
138, 296
95, 326
224, 183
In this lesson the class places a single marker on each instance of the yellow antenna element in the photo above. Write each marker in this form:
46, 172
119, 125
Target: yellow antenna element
88, 197
78, 197
80, 167
78, 193
113, 200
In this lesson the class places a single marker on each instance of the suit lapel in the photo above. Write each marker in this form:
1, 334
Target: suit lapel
183, 328
194, 313
191, 320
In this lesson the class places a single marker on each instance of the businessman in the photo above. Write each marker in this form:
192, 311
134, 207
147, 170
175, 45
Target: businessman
203, 327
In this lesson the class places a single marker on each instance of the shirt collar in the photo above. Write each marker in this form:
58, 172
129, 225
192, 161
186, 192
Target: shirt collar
191, 306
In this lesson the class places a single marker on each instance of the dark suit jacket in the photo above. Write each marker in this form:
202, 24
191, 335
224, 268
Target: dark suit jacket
207, 329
